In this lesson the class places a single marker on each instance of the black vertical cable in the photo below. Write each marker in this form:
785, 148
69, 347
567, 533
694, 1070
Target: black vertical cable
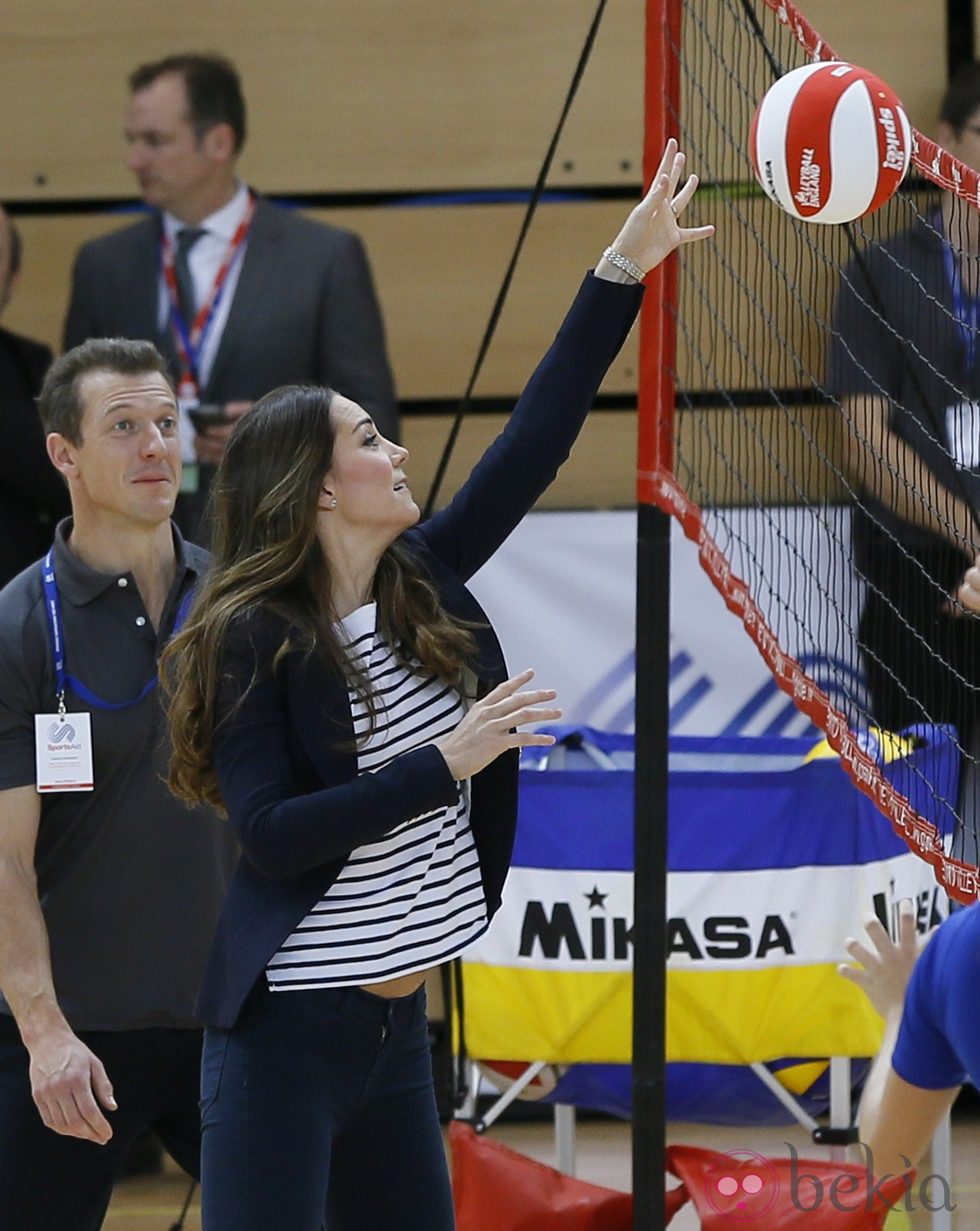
961, 34
179, 1224
532, 206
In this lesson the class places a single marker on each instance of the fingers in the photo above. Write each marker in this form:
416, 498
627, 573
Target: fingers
907, 931
490, 726
510, 686
89, 1122
691, 235
519, 711
969, 590
66, 1080
664, 181
682, 199
510, 707
505, 699
870, 959
102, 1086
521, 717
877, 934
676, 169
884, 965
858, 952
666, 160
73, 1112
533, 739
852, 974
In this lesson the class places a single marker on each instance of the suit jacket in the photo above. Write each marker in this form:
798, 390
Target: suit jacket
304, 310
283, 754
33, 496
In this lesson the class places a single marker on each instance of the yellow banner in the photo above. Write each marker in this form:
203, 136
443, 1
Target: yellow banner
713, 1016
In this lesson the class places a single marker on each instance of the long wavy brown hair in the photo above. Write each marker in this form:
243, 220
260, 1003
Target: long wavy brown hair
266, 556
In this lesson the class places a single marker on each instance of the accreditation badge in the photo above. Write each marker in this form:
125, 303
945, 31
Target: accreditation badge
963, 434
63, 752
188, 400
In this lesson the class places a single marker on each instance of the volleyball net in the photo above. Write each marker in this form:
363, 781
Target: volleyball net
809, 413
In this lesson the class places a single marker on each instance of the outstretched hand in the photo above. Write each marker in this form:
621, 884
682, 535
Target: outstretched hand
968, 593
652, 231
886, 966
490, 726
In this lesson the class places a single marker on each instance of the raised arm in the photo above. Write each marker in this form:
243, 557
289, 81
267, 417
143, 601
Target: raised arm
67, 1080
896, 1120
524, 459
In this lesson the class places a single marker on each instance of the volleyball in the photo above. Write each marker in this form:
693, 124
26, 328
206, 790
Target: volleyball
830, 142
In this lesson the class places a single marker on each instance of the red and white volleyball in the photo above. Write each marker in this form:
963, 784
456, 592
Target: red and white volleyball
830, 142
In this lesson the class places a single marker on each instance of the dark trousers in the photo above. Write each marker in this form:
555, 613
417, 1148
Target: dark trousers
49, 1182
320, 1104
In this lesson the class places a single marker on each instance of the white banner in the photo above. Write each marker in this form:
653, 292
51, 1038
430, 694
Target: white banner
746, 920
562, 593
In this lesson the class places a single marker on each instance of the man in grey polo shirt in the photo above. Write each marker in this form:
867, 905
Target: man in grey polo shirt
108, 893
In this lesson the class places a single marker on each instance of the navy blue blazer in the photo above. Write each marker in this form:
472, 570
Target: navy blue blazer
292, 793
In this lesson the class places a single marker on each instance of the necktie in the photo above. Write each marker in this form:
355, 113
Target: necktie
186, 299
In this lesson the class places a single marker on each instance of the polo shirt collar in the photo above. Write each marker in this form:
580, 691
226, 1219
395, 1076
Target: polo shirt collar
81, 584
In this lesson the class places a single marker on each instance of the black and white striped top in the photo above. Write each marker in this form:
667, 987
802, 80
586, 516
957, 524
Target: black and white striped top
414, 898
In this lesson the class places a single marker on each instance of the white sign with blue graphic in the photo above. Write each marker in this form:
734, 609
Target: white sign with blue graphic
562, 592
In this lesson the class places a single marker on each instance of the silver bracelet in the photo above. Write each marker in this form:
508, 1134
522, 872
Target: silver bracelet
625, 264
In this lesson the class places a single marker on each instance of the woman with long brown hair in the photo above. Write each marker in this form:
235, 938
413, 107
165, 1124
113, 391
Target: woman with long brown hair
340, 694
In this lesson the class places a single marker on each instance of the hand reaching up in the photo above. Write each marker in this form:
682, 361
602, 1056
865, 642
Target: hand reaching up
652, 231
886, 965
489, 726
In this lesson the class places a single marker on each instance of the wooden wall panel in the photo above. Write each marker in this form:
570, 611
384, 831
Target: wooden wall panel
781, 458
437, 270
756, 306
343, 97
903, 41
601, 472
760, 455
749, 323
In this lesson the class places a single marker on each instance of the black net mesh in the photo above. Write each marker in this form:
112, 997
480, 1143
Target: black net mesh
826, 422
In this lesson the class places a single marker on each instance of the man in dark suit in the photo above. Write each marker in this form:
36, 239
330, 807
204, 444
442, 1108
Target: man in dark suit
240, 294
33, 496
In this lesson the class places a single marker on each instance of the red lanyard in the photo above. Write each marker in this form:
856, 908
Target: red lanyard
190, 341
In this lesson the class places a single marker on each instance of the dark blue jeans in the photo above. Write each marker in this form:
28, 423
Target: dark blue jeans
320, 1104
53, 1183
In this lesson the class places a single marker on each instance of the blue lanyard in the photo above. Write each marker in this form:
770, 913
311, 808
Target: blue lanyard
192, 352
56, 628
966, 308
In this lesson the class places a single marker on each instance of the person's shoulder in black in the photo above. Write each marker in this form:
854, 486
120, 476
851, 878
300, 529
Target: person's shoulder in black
33, 497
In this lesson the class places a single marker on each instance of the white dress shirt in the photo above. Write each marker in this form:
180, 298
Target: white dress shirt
204, 261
